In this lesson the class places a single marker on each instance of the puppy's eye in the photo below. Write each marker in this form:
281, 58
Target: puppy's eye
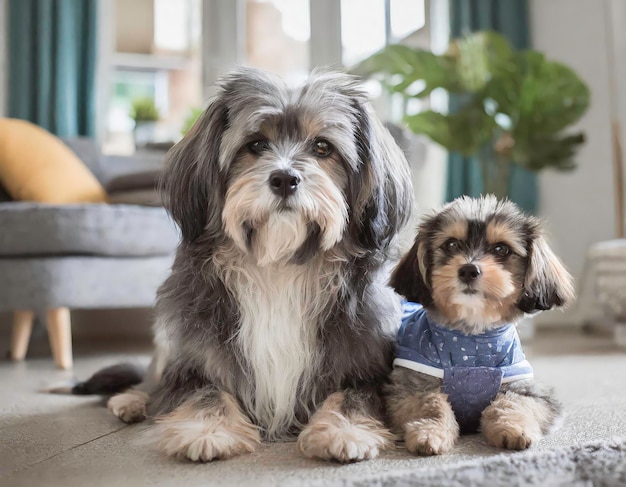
258, 146
322, 148
451, 245
501, 250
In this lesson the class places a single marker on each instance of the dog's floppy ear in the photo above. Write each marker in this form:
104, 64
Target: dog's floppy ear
191, 184
409, 277
386, 192
547, 283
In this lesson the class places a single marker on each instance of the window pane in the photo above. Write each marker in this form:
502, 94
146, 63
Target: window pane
278, 34
176, 25
362, 29
157, 56
406, 17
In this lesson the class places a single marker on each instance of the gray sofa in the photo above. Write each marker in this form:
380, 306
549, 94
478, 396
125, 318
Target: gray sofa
54, 258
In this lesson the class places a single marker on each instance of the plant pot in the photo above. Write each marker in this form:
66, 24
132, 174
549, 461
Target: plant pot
143, 133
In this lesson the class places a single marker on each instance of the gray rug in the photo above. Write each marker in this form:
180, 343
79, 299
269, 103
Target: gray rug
68, 441
597, 464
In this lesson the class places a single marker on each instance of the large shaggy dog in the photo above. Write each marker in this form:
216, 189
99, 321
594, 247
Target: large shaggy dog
277, 319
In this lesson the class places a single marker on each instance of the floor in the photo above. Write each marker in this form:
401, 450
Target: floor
72, 441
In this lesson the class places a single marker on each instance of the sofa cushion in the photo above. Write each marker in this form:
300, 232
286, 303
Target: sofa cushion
139, 188
144, 197
132, 181
106, 230
88, 151
36, 166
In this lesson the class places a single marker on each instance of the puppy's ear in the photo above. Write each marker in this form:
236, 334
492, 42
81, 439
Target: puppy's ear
385, 192
191, 184
409, 277
547, 283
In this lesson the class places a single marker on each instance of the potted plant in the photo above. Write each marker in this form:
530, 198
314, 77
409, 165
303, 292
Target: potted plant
145, 114
513, 106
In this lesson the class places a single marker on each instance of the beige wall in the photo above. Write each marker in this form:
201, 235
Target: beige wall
578, 206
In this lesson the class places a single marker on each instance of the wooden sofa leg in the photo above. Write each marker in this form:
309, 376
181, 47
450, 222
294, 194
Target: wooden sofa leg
60, 336
22, 327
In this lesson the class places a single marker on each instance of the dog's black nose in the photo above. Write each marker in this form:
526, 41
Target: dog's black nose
284, 183
469, 273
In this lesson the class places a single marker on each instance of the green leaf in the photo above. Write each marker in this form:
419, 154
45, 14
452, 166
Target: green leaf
531, 98
481, 58
551, 96
545, 150
463, 132
406, 66
144, 110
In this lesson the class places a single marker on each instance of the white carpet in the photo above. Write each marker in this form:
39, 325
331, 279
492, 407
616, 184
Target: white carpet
70, 441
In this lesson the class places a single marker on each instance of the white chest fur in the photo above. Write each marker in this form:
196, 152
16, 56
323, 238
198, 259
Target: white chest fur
279, 305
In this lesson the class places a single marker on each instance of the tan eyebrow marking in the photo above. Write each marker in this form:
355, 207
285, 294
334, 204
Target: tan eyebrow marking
456, 229
499, 232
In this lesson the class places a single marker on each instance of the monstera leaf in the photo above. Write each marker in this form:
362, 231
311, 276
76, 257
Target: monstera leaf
410, 68
517, 96
546, 150
464, 132
482, 58
551, 96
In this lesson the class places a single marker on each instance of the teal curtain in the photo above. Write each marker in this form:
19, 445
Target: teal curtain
52, 64
511, 19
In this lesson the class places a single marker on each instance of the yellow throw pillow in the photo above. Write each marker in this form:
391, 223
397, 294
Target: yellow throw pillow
36, 166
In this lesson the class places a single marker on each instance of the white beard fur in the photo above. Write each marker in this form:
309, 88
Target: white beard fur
279, 238
280, 304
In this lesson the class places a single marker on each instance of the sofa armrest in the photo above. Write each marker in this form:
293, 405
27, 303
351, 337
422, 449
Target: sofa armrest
139, 188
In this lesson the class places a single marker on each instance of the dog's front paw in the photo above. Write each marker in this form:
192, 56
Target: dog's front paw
129, 406
200, 441
201, 434
428, 437
344, 440
511, 435
513, 421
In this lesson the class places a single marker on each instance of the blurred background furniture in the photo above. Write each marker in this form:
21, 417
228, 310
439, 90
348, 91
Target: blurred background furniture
54, 258
604, 284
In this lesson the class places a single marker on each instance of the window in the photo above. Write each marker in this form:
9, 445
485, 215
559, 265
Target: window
363, 29
160, 52
157, 55
277, 37
367, 26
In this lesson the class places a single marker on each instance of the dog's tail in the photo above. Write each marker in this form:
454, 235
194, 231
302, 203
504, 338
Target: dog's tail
105, 382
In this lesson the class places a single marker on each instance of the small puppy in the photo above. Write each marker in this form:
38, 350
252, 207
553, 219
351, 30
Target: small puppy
277, 320
477, 266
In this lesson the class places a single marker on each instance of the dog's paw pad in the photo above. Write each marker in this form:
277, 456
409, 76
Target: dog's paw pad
129, 406
344, 441
428, 438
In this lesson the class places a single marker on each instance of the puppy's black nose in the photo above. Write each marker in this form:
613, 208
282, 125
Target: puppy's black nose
469, 273
284, 183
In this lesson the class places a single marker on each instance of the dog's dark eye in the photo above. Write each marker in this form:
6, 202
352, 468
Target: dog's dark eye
501, 250
322, 148
451, 245
258, 146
